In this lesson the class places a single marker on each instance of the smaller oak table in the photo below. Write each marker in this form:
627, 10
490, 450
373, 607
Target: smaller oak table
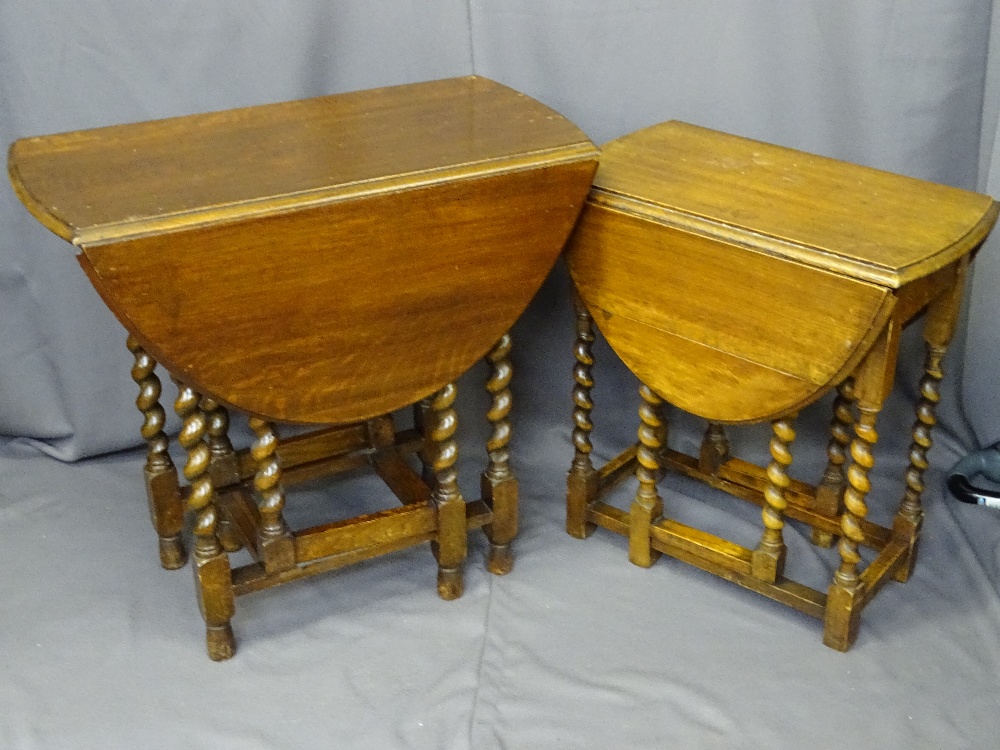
741, 281
327, 262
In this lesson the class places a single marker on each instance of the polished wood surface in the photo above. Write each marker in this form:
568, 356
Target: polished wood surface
363, 249
860, 222
123, 181
724, 283
325, 261
697, 302
741, 281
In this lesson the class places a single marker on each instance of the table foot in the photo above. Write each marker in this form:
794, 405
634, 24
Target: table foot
450, 583
220, 642
843, 615
228, 536
500, 559
172, 553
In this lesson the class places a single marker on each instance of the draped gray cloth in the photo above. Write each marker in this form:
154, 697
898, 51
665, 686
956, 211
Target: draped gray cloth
576, 648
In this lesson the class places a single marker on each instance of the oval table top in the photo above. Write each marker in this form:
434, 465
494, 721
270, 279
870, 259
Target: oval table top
320, 261
741, 280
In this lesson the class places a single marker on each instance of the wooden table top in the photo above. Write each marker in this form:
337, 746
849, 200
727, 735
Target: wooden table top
319, 261
111, 183
873, 225
741, 280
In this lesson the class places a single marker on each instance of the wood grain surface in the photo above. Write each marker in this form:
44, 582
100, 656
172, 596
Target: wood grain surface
727, 333
344, 312
107, 184
741, 280
865, 223
323, 261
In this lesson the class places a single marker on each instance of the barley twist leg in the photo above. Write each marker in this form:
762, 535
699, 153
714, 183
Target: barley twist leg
166, 508
223, 466
768, 560
830, 492
581, 484
451, 543
276, 543
213, 576
843, 608
910, 516
647, 506
855, 497
910, 507
498, 483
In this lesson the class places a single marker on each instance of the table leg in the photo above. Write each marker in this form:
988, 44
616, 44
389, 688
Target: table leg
498, 483
942, 316
277, 547
166, 508
843, 611
647, 507
212, 573
581, 484
452, 534
830, 492
910, 515
768, 560
223, 466
714, 449
872, 384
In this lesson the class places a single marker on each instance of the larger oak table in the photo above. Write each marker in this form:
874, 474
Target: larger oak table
741, 281
324, 262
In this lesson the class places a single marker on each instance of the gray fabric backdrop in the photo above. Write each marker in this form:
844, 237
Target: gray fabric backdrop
898, 86
98, 648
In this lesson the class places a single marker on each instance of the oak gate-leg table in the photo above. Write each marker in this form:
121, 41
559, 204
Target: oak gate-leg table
741, 281
326, 262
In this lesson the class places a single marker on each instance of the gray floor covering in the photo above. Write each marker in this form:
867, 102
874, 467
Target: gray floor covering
576, 648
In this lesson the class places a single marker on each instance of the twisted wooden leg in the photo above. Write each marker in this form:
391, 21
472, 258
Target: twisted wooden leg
213, 576
714, 449
909, 518
581, 484
843, 610
768, 560
498, 484
872, 384
223, 467
830, 492
647, 506
939, 327
166, 508
276, 545
452, 536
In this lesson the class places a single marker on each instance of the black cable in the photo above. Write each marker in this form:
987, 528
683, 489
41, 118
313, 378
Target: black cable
964, 490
